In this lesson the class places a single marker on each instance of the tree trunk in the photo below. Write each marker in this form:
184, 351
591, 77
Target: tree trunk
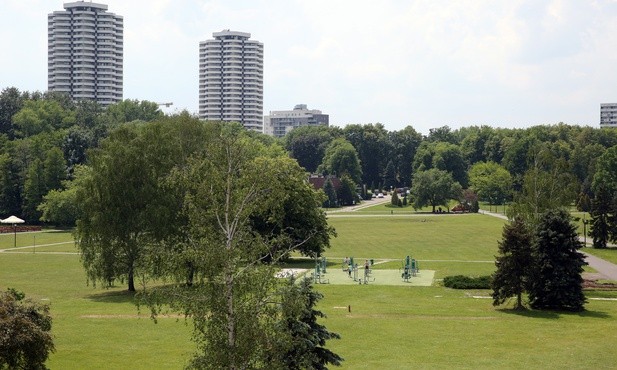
131, 280
231, 324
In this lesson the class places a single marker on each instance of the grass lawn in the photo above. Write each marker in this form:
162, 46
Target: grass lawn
389, 327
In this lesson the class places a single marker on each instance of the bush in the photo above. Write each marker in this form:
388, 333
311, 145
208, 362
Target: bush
467, 282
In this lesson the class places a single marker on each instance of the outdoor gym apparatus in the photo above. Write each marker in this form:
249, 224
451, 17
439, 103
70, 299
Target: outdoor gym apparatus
351, 269
409, 269
320, 270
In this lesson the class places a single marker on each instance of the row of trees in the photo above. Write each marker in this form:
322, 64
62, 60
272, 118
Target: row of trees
45, 136
543, 260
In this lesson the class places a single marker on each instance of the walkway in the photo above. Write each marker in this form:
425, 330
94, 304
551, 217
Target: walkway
607, 269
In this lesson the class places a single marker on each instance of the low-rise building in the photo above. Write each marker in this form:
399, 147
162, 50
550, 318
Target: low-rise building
278, 123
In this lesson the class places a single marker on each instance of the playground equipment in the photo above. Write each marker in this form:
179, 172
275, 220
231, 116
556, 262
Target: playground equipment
410, 268
320, 270
367, 273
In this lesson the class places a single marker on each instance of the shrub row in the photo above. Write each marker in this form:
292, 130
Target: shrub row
19, 229
467, 282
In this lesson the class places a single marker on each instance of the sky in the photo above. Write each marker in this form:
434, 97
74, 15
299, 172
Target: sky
427, 64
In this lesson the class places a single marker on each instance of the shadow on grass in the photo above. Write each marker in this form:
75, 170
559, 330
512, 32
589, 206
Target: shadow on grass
115, 296
553, 315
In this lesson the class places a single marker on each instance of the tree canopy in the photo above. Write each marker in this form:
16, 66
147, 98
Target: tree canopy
434, 188
25, 332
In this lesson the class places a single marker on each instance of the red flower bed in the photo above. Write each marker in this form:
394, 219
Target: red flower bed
19, 228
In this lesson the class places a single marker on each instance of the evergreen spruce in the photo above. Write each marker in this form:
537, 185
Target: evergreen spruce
304, 338
394, 199
513, 264
556, 281
600, 209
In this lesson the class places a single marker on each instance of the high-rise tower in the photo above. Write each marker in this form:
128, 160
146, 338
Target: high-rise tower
85, 52
231, 79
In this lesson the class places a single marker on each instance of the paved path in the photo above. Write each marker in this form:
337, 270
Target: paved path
607, 269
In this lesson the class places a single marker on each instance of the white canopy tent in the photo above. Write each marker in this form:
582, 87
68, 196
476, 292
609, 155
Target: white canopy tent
14, 220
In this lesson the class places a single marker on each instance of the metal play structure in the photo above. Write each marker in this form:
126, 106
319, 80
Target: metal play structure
320, 271
367, 272
410, 268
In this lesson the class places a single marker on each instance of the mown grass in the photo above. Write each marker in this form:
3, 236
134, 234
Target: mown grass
388, 327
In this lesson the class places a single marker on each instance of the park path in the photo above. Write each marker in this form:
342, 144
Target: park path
605, 268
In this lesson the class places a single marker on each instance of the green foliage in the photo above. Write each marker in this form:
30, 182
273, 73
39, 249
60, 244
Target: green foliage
25, 338
371, 144
394, 199
602, 217
467, 282
490, 181
435, 188
61, 207
341, 159
443, 156
242, 203
132, 110
39, 116
556, 281
302, 339
547, 185
125, 204
347, 192
514, 263
331, 198
307, 144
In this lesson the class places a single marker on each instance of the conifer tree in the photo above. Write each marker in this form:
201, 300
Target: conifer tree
556, 282
513, 264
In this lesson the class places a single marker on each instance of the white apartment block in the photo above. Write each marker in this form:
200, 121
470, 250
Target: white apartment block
231, 79
608, 115
280, 122
85, 52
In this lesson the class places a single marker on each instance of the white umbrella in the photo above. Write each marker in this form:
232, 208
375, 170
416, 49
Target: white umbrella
13, 220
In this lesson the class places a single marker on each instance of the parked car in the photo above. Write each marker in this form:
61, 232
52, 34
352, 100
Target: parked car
380, 195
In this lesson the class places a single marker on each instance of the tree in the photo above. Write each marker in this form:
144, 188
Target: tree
547, 185
132, 110
435, 188
443, 156
39, 116
556, 281
225, 188
60, 207
25, 338
125, 205
513, 264
371, 144
307, 144
490, 181
394, 200
331, 198
404, 145
11, 102
341, 158
303, 338
347, 191
34, 190
601, 217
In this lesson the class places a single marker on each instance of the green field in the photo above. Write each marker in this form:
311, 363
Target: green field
389, 326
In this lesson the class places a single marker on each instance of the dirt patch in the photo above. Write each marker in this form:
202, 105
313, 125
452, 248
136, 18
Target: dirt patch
597, 281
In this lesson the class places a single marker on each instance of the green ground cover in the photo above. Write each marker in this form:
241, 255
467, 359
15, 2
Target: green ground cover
389, 326
609, 254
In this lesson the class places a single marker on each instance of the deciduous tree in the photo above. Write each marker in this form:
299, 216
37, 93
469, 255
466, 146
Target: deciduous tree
435, 188
25, 332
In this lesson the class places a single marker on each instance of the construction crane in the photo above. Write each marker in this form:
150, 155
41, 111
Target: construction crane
167, 105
